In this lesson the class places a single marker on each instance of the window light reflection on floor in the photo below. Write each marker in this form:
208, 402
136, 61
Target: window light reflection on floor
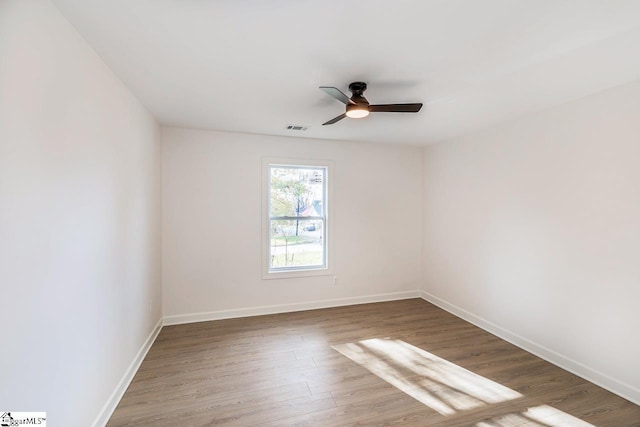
542, 416
446, 387
431, 380
550, 416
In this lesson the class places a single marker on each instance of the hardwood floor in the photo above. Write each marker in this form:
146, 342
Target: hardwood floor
403, 363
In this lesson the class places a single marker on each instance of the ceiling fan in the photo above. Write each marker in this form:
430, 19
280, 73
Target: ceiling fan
358, 106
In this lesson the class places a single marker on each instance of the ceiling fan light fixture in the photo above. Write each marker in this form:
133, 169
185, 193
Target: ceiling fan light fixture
357, 111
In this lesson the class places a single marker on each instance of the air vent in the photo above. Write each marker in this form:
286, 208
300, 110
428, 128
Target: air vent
299, 128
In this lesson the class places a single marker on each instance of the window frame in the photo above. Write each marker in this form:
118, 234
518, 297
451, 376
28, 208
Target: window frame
291, 272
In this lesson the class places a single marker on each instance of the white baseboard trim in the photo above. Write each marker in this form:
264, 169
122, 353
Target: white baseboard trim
620, 388
286, 308
614, 385
114, 399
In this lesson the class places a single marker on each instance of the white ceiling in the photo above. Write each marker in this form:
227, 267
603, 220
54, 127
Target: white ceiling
255, 65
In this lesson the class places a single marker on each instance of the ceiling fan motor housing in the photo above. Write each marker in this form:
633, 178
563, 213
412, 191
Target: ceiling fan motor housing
357, 87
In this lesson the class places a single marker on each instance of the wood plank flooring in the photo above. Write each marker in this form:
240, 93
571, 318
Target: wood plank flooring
403, 363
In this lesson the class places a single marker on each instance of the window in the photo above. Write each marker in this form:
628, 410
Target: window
296, 218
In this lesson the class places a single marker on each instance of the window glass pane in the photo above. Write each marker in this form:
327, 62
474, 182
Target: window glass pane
296, 191
296, 243
297, 217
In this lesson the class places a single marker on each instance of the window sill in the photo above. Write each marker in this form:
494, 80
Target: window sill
297, 274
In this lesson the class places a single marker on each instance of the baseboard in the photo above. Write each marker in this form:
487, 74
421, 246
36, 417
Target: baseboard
114, 399
120, 389
613, 385
618, 387
286, 308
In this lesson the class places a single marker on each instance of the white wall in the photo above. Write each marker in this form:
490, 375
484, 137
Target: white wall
212, 223
79, 220
530, 229
534, 226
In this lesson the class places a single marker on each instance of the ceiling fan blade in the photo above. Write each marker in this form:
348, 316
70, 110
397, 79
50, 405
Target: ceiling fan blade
395, 108
336, 119
337, 94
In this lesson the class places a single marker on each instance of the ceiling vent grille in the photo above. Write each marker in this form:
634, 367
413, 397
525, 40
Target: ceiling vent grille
298, 128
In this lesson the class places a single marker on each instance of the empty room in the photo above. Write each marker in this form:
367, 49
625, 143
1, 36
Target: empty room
320, 213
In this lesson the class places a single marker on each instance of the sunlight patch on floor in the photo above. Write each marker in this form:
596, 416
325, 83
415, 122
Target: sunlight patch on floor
446, 387
554, 417
431, 380
538, 416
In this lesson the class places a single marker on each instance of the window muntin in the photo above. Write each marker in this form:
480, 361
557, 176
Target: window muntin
297, 218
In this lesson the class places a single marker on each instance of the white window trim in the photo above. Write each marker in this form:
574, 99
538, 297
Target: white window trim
307, 272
